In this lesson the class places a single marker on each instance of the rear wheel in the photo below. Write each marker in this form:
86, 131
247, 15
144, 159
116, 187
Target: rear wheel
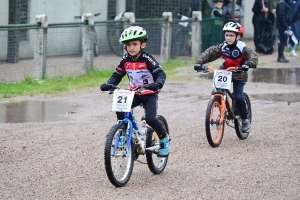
177, 43
156, 164
238, 122
113, 39
96, 44
118, 165
214, 127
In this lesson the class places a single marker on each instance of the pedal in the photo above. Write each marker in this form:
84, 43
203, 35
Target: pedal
161, 156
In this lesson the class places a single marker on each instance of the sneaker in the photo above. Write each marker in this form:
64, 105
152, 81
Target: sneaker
293, 53
164, 146
246, 125
282, 60
122, 141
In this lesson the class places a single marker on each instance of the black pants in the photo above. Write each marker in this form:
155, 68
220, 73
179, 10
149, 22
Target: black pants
282, 43
257, 33
150, 105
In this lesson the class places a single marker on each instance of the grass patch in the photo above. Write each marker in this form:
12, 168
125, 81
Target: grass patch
72, 83
289, 48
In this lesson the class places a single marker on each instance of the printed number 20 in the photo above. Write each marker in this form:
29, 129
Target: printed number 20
120, 98
222, 78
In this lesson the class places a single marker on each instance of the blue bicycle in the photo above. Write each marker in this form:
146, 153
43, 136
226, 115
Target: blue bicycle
125, 141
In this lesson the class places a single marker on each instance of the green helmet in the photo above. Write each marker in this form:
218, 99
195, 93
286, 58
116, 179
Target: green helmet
133, 33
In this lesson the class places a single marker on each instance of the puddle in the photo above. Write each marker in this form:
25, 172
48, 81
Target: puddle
285, 97
285, 76
34, 111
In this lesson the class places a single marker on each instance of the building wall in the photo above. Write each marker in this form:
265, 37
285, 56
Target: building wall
247, 21
59, 11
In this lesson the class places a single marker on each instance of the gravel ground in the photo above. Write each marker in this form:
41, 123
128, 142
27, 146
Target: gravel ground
64, 160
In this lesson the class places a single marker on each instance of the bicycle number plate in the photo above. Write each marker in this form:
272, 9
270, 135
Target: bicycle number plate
222, 79
122, 100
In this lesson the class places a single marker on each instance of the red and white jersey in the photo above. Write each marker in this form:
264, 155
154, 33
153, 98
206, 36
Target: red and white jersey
232, 54
138, 74
145, 70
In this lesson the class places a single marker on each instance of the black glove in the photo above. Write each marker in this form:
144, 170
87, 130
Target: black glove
152, 86
245, 67
199, 67
105, 87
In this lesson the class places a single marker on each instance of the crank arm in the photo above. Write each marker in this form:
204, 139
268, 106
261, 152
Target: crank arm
156, 147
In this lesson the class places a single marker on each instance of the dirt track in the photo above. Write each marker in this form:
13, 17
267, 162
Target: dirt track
64, 160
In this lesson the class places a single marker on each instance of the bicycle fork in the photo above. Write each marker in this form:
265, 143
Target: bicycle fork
222, 106
129, 130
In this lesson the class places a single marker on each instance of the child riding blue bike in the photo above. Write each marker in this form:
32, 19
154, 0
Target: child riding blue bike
143, 71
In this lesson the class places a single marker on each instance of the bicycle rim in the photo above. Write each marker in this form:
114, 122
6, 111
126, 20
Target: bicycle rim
113, 39
118, 166
156, 164
177, 44
214, 128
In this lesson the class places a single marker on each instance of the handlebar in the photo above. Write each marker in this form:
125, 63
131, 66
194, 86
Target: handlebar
139, 89
79, 17
210, 69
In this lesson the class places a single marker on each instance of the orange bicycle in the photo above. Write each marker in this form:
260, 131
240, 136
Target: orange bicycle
221, 107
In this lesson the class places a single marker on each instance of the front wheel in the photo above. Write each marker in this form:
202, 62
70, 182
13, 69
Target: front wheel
238, 122
214, 127
156, 164
118, 165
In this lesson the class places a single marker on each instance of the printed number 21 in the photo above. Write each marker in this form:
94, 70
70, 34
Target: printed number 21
222, 78
120, 98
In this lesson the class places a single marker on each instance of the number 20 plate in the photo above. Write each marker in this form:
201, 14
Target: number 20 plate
122, 100
222, 79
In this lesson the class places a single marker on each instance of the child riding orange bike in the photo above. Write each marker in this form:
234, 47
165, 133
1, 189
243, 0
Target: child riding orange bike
236, 54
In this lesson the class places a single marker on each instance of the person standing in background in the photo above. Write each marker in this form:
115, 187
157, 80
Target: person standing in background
295, 6
217, 10
283, 23
238, 11
263, 21
260, 10
238, 2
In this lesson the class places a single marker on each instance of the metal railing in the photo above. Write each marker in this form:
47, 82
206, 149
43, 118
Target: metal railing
69, 49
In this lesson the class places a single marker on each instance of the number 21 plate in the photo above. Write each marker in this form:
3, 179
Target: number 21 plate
122, 100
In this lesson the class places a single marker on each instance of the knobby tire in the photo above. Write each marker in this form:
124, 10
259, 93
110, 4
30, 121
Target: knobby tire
214, 128
238, 122
118, 168
177, 43
113, 39
156, 164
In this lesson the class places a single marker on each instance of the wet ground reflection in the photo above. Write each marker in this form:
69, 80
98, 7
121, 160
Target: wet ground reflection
285, 76
286, 97
34, 111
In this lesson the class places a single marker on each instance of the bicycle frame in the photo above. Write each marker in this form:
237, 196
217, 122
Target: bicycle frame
132, 127
223, 94
225, 104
